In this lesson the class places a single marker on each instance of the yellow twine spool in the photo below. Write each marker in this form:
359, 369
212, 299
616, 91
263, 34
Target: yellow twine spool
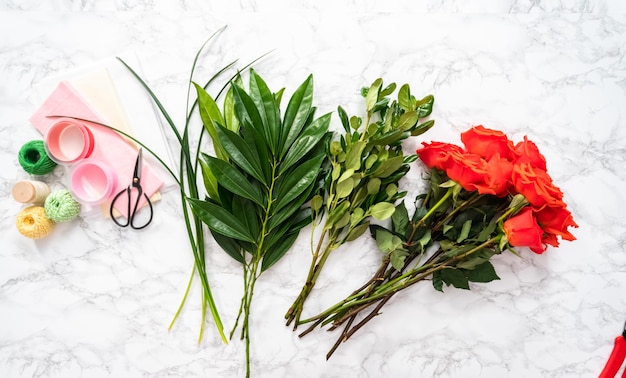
33, 223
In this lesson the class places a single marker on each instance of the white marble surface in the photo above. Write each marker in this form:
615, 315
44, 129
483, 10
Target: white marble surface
92, 300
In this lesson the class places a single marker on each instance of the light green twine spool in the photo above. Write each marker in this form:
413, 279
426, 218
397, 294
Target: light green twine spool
34, 159
61, 206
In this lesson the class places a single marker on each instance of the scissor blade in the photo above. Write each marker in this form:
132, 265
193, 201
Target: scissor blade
137, 172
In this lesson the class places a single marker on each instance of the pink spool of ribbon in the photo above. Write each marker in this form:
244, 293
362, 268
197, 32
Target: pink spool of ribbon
92, 182
109, 149
68, 141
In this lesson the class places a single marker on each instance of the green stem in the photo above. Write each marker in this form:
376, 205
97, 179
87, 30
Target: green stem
317, 263
341, 310
182, 302
457, 209
245, 334
251, 273
434, 209
418, 274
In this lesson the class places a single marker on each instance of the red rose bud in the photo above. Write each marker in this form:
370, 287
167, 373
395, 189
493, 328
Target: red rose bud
527, 152
436, 154
522, 230
556, 221
486, 143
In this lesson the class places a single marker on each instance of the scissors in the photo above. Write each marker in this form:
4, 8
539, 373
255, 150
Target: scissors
136, 184
616, 358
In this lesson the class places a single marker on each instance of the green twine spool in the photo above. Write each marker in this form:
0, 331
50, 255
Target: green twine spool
61, 206
34, 159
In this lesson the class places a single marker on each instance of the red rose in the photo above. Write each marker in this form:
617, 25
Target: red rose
468, 170
527, 152
498, 177
435, 154
522, 230
536, 186
486, 143
555, 221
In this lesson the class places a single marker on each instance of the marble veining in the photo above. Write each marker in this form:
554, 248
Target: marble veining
93, 300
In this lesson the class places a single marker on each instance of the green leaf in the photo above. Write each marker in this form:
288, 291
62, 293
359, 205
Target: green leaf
437, 281
336, 214
369, 162
397, 258
244, 210
276, 237
388, 90
373, 185
343, 221
467, 225
229, 246
410, 158
277, 219
306, 141
230, 117
357, 216
357, 231
301, 219
344, 188
400, 219
389, 166
233, 180
372, 94
486, 232
210, 114
391, 190
476, 259
266, 104
423, 127
425, 239
353, 156
382, 210
425, 106
355, 123
208, 108
247, 112
343, 116
278, 251
389, 138
240, 153
483, 273
255, 143
346, 175
220, 220
404, 98
455, 277
210, 182
384, 240
297, 181
296, 114
407, 120
316, 202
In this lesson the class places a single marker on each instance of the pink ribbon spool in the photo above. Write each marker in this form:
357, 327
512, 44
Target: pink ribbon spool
92, 182
68, 141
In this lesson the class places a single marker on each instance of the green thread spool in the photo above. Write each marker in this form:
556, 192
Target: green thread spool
60, 206
34, 159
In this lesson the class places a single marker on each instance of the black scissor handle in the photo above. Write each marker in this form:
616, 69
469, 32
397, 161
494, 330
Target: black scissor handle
130, 217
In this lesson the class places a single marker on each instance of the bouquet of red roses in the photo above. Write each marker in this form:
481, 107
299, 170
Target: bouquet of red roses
484, 198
